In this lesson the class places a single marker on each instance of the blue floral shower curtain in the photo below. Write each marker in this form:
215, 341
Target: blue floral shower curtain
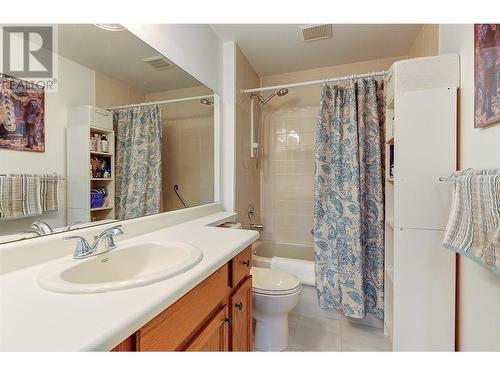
349, 199
138, 161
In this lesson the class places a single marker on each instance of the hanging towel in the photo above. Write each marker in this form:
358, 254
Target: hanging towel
473, 228
31, 195
49, 192
19, 196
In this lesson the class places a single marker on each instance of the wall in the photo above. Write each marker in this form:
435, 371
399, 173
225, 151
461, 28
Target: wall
228, 128
426, 43
188, 148
478, 299
111, 92
247, 168
287, 176
75, 87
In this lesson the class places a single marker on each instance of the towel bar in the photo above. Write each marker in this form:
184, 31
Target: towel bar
55, 176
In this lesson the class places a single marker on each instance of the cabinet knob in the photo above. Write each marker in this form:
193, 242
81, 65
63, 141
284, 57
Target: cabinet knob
246, 263
239, 306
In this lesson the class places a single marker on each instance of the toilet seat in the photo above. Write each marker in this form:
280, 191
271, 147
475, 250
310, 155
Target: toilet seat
274, 282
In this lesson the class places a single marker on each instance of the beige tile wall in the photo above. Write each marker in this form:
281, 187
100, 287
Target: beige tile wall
287, 174
188, 148
247, 170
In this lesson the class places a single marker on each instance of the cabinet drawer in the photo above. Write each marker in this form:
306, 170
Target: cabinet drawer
174, 326
241, 265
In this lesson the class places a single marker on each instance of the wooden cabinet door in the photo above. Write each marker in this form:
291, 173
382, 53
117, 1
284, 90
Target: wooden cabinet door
241, 317
127, 345
214, 336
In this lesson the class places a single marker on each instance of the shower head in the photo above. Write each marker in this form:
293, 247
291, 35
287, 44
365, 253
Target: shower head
207, 101
280, 92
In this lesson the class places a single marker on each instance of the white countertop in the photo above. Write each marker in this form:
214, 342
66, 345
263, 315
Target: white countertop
33, 319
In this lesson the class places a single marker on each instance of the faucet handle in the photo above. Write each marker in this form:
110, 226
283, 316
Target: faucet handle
70, 226
82, 247
109, 234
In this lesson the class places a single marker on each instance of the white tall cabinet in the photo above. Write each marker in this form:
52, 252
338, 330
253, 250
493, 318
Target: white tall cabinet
83, 122
421, 97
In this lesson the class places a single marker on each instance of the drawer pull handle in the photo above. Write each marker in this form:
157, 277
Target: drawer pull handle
239, 306
246, 263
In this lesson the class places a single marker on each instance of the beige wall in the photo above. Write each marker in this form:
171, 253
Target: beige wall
247, 172
111, 92
478, 289
426, 43
188, 148
287, 176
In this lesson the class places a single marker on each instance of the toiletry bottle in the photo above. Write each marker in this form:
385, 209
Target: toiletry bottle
97, 142
104, 144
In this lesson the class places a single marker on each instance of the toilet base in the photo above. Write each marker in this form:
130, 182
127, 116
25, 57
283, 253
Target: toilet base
271, 333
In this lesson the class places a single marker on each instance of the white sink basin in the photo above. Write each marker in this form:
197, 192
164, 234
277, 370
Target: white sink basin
125, 267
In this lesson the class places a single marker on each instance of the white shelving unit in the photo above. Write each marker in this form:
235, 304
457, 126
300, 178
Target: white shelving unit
421, 97
83, 123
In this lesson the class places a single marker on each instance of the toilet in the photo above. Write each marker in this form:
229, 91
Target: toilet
275, 294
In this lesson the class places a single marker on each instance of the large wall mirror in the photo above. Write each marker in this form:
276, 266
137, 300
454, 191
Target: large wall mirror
126, 133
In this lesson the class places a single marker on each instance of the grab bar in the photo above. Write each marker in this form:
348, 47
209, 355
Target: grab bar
176, 189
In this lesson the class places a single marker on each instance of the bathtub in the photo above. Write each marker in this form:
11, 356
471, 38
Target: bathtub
264, 251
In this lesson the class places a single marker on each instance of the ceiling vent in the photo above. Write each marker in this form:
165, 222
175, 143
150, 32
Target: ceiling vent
158, 62
310, 33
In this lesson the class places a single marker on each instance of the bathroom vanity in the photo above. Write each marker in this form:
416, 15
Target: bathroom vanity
205, 307
215, 316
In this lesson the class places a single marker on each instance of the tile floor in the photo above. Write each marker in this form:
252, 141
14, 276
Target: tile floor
320, 334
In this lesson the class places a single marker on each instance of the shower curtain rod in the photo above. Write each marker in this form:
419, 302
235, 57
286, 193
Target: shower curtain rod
316, 82
163, 102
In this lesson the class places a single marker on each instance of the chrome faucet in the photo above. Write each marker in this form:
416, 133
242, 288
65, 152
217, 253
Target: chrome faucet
259, 227
70, 226
41, 227
85, 250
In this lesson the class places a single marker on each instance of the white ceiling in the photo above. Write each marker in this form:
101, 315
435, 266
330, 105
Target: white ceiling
118, 54
278, 48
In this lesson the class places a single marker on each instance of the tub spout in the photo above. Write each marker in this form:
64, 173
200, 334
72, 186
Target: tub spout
259, 227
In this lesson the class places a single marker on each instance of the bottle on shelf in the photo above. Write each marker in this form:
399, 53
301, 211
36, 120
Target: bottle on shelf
104, 144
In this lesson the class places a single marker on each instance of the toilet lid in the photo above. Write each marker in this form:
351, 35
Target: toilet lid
272, 281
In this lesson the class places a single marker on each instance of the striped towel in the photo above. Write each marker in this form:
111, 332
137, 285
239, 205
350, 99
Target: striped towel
19, 196
473, 228
49, 192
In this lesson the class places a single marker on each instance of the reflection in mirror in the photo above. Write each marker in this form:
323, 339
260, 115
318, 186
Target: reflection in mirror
125, 133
